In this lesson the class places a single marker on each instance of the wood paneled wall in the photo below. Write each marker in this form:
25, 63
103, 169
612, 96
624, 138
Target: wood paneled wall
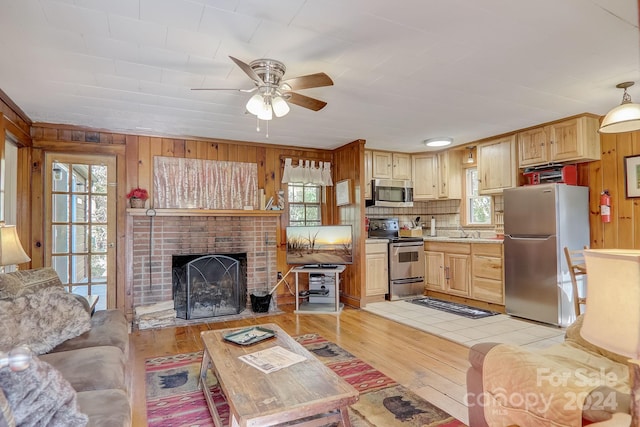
134, 157
349, 165
609, 174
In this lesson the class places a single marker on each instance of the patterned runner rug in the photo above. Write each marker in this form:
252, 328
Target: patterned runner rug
454, 307
173, 398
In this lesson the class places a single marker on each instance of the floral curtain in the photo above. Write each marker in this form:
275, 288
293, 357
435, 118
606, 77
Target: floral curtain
204, 184
307, 173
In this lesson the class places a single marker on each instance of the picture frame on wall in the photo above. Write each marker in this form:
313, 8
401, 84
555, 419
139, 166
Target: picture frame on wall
632, 176
343, 192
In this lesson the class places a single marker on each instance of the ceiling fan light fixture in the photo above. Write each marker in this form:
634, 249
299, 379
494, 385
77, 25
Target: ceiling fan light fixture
280, 106
623, 118
255, 105
266, 113
438, 142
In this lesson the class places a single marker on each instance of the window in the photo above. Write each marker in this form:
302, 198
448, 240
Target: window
304, 204
478, 208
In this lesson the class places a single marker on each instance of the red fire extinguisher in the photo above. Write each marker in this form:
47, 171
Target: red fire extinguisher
605, 206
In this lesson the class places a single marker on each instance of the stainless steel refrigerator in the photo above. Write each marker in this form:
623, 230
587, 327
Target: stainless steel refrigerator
539, 221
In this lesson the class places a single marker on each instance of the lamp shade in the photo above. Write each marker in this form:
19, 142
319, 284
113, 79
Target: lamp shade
623, 118
612, 316
11, 251
280, 106
255, 105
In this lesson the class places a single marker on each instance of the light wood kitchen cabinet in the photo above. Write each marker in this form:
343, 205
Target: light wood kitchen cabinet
487, 283
497, 165
401, 166
448, 267
449, 167
434, 270
424, 177
387, 165
377, 269
382, 164
567, 141
368, 174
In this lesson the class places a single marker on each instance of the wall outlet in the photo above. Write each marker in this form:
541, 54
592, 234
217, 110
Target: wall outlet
279, 275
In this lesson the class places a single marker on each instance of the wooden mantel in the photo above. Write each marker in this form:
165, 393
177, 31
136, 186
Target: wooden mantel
201, 212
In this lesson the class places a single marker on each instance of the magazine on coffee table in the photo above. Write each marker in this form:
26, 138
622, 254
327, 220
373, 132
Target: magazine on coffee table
272, 359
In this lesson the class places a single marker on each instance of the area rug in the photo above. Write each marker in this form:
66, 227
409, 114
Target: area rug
454, 308
173, 398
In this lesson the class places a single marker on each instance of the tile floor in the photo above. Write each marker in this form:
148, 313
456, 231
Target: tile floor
499, 328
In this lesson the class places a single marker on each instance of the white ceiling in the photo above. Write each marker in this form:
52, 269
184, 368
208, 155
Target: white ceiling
404, 70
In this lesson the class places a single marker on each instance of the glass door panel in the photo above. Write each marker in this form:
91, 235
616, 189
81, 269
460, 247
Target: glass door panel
81, 224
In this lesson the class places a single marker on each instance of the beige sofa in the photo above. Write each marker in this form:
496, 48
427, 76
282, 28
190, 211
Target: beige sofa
573, 383
94, 363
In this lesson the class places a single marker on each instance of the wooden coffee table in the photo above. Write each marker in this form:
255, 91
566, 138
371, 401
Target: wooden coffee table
305, 392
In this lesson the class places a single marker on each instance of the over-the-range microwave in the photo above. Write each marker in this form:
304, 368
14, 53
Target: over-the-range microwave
395, 193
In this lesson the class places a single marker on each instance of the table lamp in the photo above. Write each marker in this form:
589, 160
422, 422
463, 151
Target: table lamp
612, 314
11, 251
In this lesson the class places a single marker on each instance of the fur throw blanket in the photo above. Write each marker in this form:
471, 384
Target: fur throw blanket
40, 396
41, 320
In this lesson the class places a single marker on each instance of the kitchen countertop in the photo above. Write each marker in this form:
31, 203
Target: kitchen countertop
446, 239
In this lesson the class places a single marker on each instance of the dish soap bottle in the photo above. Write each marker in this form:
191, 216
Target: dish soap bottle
433, 226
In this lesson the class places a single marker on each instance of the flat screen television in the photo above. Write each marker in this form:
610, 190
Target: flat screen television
322, 246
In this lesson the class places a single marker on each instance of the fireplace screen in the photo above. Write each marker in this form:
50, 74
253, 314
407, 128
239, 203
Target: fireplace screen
209, 285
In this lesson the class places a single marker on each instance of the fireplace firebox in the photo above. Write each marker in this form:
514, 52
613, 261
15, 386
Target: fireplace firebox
209, 285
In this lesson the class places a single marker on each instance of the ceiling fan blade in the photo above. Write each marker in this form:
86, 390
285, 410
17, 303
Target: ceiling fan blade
248, 71
308, 81
223, 88
304, 101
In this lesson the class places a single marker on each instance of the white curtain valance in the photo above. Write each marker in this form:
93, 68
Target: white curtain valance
307, 173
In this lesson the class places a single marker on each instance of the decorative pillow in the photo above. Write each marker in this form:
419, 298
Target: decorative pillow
23, 282
40, 396
6, 416
41, 320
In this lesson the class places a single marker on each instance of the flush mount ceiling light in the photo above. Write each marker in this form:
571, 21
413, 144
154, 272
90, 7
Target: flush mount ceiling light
438, 142
623, 118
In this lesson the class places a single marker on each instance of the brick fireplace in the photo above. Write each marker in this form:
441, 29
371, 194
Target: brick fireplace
160, 238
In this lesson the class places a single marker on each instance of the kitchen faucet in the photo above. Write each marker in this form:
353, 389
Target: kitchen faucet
464, 233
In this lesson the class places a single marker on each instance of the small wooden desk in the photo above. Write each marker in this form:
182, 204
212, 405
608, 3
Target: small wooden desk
305, 389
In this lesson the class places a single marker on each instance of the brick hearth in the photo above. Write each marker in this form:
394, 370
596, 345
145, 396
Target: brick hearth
182, 235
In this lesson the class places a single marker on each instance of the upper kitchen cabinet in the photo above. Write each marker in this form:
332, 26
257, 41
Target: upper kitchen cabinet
449, 174
425, 176
387, 165
368, 174
497, 165
573, 140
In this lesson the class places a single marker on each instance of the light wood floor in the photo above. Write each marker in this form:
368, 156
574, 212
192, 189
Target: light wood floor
432, 367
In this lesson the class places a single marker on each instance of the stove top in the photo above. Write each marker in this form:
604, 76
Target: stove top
387, 228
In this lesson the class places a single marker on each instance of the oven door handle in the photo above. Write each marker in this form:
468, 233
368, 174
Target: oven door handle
405, 248
407, 280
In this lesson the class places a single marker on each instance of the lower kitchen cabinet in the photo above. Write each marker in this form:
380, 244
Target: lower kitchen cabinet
469, 270
448, 267
487, 273
377, 269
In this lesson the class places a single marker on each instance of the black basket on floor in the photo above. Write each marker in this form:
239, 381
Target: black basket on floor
260, 303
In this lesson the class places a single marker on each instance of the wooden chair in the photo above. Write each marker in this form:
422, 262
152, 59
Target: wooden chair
577, 267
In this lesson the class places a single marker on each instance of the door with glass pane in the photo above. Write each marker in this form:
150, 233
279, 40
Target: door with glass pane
80, 223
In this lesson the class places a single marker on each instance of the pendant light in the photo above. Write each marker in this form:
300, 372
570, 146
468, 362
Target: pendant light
623, 118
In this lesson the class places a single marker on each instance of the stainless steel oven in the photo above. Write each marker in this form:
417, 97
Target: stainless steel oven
406, 259
406, 268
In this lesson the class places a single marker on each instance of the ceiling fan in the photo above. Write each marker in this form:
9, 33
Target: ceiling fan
275, 94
